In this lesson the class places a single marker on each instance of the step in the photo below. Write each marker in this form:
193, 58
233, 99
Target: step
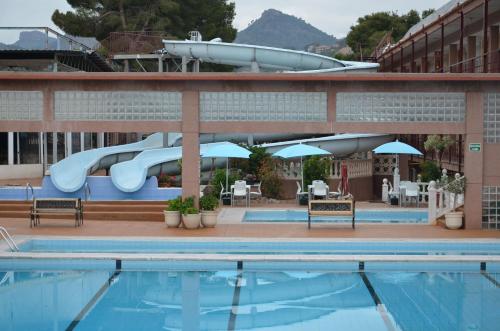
132, 208
14, 207
120, 216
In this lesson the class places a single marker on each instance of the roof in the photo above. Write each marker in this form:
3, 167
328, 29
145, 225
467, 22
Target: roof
86, 60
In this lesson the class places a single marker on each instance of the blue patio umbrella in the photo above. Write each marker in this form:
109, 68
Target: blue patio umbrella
397, 147
227, 150
300, 150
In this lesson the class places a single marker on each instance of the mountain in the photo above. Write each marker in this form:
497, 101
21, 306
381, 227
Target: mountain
276, 29
37, 40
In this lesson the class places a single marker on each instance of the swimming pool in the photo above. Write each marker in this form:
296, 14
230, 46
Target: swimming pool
243, 296
362, 216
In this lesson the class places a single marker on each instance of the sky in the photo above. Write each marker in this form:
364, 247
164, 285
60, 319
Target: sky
334, 17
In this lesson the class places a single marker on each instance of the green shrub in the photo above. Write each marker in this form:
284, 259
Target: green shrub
257, 158
429, 171
209, 202
175, 204
316, 168
190, 211
270, 179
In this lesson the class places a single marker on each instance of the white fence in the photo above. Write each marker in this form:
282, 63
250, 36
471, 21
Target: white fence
355, 169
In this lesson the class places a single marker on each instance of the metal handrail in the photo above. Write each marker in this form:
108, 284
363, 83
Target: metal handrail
28, 186
86, 191
6, 236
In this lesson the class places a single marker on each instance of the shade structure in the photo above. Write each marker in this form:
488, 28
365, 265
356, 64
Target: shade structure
397, 147
227, 149
300, 150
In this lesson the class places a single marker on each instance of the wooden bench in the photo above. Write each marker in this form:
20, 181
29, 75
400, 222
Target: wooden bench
331, 208
53, 206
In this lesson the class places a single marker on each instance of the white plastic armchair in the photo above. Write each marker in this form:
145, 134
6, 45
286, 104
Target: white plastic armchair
240, 191
410, 190
319, 189
299, 193
257, 193
223, 193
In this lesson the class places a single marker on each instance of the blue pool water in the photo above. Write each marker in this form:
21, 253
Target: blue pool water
247, 299
263, 247
362, 216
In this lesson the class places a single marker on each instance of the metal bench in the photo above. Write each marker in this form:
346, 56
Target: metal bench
331, 208
53, 206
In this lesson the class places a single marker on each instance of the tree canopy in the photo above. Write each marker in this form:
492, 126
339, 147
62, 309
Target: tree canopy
369, 30
97, 18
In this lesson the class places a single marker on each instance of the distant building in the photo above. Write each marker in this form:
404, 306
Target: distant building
322, 49
345, 51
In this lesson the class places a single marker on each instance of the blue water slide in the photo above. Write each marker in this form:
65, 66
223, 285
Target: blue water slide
129, 176
70, 174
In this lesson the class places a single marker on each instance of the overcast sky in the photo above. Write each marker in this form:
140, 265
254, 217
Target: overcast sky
332, 16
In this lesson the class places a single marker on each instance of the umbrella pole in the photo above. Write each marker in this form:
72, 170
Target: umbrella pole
302, 169
227, 172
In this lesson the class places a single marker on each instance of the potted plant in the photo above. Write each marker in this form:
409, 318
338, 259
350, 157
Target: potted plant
454, 219
173, 213
191, 217
208, 205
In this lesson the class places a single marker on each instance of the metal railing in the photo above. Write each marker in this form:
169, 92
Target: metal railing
29, 187
86, 191
8, 239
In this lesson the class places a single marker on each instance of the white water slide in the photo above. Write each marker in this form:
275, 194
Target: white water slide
261, 57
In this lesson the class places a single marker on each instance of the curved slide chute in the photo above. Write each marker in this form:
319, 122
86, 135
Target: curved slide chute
262, 57
69, 174
130, 176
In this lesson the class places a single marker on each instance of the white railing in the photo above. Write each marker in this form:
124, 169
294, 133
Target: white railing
442, 201
8, 239
355, 169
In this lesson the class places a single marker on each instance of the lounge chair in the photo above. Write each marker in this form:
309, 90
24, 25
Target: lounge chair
408, 191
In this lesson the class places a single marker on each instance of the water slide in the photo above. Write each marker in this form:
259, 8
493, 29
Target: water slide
69, 174
261, 57
129, 176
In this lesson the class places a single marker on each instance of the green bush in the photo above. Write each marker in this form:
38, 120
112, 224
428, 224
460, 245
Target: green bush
209, 202
429, 171
316, 168
175, 204
270, 180
257, 158
190, 211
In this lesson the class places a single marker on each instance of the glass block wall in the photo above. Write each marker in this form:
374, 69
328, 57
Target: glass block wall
263, 106
21, 105
491, 207
118, 106
400, 107
491, 114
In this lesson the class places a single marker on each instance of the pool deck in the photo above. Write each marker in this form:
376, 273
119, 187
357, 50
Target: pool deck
17, 227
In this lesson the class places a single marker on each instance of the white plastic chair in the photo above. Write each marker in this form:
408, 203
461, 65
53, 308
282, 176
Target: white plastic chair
240, 191
410, 190
319, 189
223, 193
299, 193
256, 194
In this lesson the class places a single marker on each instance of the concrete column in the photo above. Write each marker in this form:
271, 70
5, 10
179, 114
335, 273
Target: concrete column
453, 58
45, 152
493, 50
471, 53
160, 64
69, 143
100, 139
184, 64
191, 145
473, 168
54, 147
432, 203
10, 148
40, 148
82, 141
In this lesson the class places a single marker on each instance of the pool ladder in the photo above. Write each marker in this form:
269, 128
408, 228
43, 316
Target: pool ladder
29, 187
8, 239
